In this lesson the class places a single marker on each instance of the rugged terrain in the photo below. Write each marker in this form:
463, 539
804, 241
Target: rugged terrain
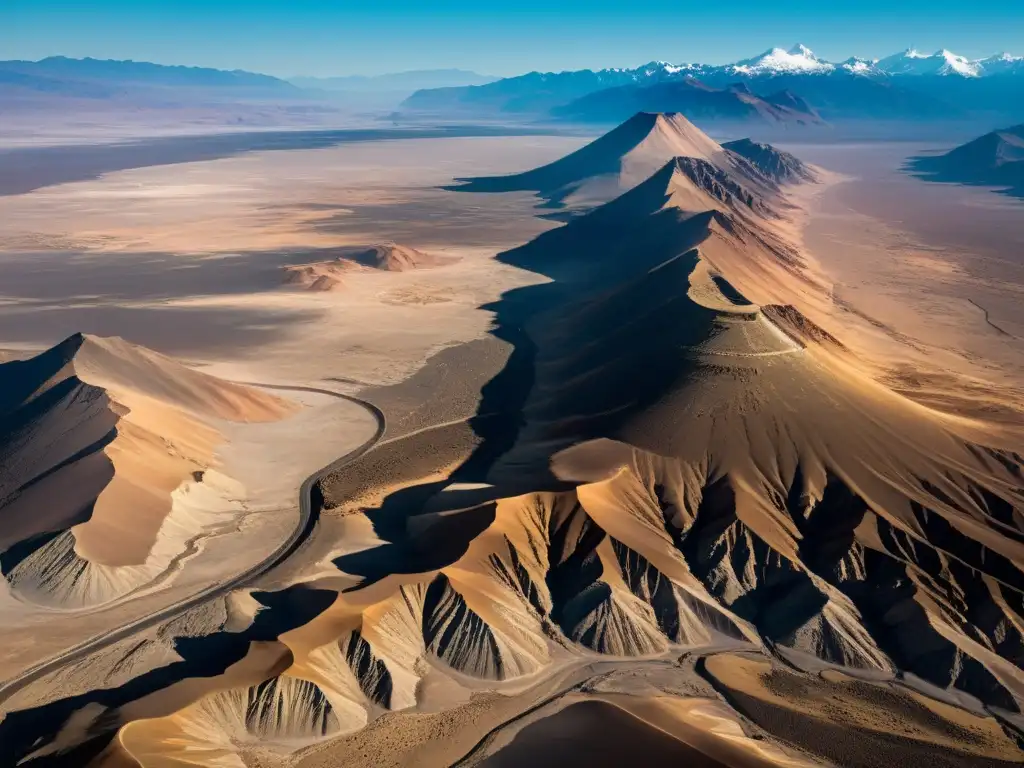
664, 496
734, 103
940, 87
109, 467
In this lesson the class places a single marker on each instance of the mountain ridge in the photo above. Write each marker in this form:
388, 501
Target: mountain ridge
614, 164
692, 98
906, 85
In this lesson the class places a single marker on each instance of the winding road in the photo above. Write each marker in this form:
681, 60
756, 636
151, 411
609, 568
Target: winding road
306, 523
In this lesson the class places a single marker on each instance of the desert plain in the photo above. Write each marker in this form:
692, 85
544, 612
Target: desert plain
673, 451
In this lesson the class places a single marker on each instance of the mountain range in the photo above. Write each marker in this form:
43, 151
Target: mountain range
907, 85
692, 98
783, 87
88, 84
97, 78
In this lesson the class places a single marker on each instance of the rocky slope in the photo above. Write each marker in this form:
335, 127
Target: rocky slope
628, 155
108, 466
694, 100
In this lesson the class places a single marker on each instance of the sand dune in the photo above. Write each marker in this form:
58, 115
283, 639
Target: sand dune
109, 466
390, 257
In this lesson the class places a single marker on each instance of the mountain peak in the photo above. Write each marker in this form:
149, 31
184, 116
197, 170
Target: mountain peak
942, 62
798, 60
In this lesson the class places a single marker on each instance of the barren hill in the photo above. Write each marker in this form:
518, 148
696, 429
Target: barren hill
388, 257
619, 160
99, 439
782, 167
995, 159
678, 465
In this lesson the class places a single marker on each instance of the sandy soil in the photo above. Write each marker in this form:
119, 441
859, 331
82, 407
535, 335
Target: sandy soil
930, 277
266, 463
855, 723
189, 259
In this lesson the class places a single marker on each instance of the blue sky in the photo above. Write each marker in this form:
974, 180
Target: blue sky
336, 37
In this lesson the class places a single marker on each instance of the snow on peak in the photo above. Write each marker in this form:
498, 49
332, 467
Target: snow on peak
657, 69
674, 69
799, 60
944, 62
860, 66
1002, 63
959, 64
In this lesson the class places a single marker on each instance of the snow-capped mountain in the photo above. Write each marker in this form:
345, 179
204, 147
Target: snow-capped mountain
860, 66
801, 60
905, 86
943, 62
1002, 64
797, 60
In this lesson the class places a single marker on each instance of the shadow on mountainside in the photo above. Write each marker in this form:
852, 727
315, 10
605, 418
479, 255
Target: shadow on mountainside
22, 732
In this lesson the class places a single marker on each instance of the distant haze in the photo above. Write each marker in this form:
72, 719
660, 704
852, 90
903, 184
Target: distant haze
405, 82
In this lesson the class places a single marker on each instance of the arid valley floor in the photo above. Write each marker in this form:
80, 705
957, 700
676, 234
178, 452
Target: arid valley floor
395, 451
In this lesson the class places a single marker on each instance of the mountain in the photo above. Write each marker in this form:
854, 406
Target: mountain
691, 98
108, 465
906, 86
540, 91
77, 97
798, 60
407, 82
943, 62
781, 167
624, 157
995, 159
789, 100
677, 459
95, 77
74, 97
1002, 64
